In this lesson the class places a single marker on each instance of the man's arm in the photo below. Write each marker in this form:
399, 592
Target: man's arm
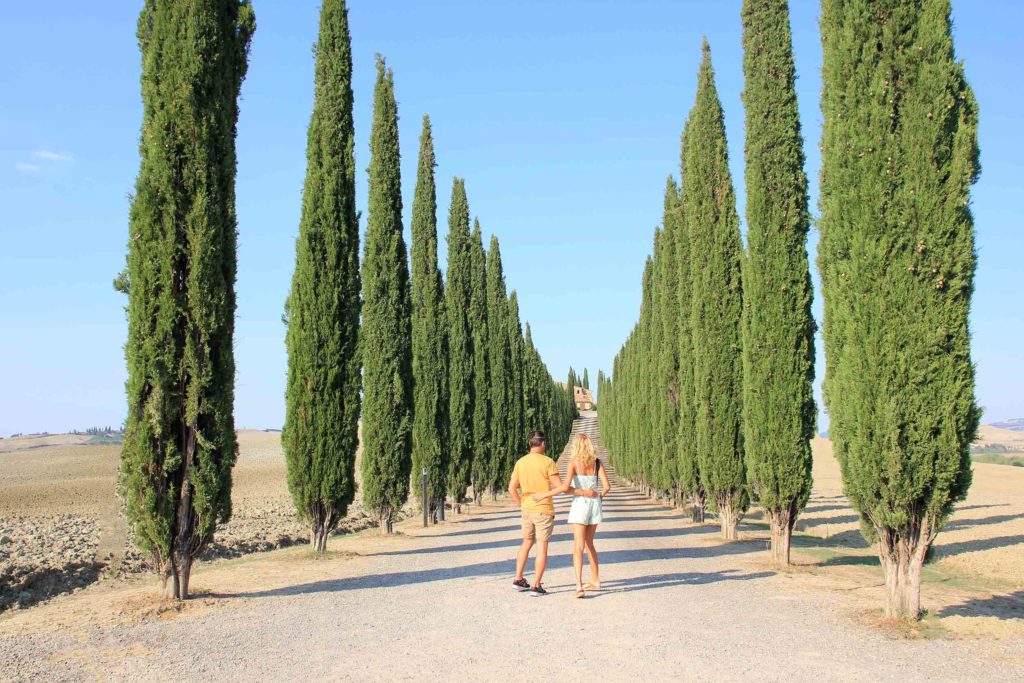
513, 490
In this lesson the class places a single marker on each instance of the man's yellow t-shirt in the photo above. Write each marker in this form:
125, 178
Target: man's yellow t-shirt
534, 471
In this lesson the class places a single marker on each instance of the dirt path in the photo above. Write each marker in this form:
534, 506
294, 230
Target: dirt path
437, 604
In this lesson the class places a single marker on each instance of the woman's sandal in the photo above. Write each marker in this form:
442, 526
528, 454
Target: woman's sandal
580, 593
593, 586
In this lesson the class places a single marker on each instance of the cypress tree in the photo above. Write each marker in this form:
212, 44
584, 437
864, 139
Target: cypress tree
570, 388
668, 345
640, 406
387, 324
710, 210
516, 417
324, 372
501, 380
179, 445
687, 469
458, 290
429, 335
482, 450
899, 154
779, 415
586, 379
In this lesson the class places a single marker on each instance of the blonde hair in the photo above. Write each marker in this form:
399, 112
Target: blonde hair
583, 451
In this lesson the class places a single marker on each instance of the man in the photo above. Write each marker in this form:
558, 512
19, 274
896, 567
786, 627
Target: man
534, 473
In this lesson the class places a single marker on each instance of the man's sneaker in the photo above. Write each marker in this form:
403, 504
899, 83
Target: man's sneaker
538, 590
521, 585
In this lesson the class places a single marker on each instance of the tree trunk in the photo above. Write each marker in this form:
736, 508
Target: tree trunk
184, 573
697, 501
387, 521
902, 553
319, 539
728, 519
169, 581
782, 523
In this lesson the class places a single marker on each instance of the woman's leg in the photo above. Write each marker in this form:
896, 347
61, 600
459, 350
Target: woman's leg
579, 534
595, 573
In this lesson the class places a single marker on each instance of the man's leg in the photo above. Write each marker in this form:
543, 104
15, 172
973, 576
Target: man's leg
524, 553
545, 525
541, 561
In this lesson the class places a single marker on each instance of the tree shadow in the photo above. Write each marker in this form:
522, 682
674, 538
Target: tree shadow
602, 534
982, 521
852, 538
982, 507
1000, 606
947, 549
486, 569
486, 530
827, 507
851, 561
805, 523
639, 583
35, 586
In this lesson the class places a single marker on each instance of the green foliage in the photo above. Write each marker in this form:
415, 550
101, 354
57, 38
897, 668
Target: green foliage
478, 325
458, 293
710, 210
665, 381
500, 457
778, 329
687, 468
429, 335
516, 413
387, 326
179, 446
324, 369
899, 154
586, 379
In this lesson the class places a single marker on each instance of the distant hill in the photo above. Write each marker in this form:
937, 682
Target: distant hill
1014, 425
998, 440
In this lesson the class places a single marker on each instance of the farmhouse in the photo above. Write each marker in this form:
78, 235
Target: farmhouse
584, 399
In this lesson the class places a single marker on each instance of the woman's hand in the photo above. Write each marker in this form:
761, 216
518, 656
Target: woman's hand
537, 497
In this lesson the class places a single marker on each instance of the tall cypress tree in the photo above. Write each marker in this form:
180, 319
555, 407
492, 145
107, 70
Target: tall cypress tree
586, 379
710, 210
687, 467
179, 446
779, 415
644, 410
458, 293
429, 335
501, 380
899, 154
516, 417
482, 451
387, 320
324, 369
668, 345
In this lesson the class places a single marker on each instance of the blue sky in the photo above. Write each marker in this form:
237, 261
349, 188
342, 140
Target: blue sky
564, 118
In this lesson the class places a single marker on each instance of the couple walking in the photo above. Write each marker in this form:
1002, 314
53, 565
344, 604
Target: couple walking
536, 475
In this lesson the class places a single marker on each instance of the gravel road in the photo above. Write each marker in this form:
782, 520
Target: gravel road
437, 604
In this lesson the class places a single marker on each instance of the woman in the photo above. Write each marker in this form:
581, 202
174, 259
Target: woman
582, 478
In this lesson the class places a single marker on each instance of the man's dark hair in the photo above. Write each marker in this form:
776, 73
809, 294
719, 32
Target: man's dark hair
537, 438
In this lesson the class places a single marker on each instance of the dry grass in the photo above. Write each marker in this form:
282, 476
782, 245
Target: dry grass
974, 586
71, 478
983, 541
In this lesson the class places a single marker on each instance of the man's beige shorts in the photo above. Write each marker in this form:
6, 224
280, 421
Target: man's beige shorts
537, 526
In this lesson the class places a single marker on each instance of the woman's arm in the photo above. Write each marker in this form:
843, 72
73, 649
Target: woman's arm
605, 484
538, 497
